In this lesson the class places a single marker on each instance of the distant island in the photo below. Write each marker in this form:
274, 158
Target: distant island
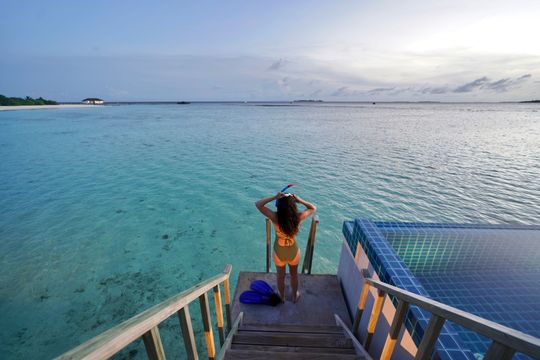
15, 101
530, 101
307, 101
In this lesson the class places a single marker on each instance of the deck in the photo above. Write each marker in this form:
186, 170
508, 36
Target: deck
320, 299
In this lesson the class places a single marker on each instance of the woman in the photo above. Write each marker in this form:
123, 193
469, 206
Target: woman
286, 222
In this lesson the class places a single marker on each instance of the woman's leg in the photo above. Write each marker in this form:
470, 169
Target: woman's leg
280, 269
293, 270
281, 281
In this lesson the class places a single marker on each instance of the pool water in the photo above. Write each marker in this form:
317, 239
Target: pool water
492, 271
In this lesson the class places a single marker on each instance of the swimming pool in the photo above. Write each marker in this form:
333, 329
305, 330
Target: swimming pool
492, 271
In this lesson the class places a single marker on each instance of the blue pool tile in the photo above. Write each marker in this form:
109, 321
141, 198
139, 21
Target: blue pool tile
469, 266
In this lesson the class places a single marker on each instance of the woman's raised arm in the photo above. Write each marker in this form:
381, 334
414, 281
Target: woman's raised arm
310, 208
261, 206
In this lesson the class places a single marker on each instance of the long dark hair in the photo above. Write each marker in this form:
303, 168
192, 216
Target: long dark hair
287, 214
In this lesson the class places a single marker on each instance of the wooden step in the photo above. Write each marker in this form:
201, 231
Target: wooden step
294, 349
292, 339
265, 355
293, 328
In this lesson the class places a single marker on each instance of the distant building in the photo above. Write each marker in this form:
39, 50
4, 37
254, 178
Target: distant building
93, 101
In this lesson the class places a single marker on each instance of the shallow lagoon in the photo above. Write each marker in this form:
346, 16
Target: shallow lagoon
108, 210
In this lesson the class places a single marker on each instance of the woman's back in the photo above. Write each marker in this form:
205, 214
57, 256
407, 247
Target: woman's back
282, 238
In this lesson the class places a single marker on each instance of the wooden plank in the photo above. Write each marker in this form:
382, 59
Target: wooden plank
208, 333
219, 314
153, 345
293, 349
280, 339
498, 351
264, 355
375, 312
268, 241
187, 333
115, 339
360, 307
395, 328
427, 345
356, 344
317, 306
511, 338
293, 328
228, 341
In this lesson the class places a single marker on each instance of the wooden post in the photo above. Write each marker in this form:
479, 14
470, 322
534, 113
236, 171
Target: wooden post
313, 231
187, 333
227, 296
152, 343
268, 241
219, 314
425, 349
357, 253
308, 257
375, 312
360, 308
208, 334
498, 351
393, 334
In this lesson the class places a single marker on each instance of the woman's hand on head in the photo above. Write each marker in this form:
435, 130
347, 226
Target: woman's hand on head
279, 195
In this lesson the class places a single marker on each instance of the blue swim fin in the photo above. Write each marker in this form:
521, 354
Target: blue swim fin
253, 297
262, 287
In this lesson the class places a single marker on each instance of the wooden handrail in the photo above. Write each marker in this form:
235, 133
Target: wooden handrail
268, 241
308, 257
115, 339
228, 341
505, 340
356, 344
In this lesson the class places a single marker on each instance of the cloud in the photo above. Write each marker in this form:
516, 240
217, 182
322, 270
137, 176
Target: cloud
278, 65
482, 83
210, 77
473, 85
380, 90
504, 85
501, 85
435, 90
344, 90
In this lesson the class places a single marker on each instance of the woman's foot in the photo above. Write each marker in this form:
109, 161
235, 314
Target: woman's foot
296, 297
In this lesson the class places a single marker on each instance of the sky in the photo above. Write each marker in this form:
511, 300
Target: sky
254, 50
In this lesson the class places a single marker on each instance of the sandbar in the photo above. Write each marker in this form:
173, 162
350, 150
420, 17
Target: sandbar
38, 107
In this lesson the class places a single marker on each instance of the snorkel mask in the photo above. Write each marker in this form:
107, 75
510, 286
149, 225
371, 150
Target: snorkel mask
283, 190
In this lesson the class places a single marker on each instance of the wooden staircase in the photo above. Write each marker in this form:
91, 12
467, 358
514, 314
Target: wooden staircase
258, 341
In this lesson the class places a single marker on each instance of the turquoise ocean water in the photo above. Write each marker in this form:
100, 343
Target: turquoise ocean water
106, 211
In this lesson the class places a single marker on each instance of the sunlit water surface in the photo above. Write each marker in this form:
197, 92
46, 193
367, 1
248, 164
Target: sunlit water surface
105, 211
